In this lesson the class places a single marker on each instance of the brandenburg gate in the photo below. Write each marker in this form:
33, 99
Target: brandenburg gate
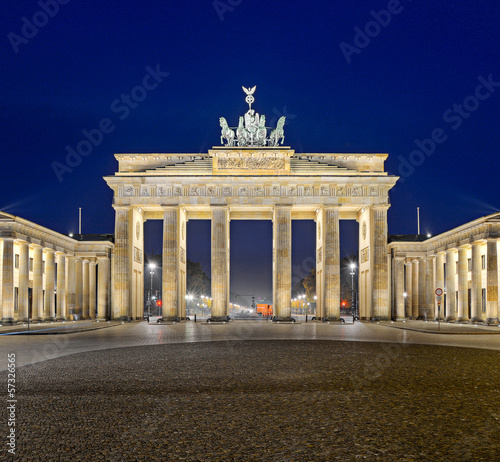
251, 177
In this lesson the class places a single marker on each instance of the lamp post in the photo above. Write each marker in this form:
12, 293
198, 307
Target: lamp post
151, 272
353, 267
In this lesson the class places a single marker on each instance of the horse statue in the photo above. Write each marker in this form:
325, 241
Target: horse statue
278, 133
226, 133
262, 131
242, 134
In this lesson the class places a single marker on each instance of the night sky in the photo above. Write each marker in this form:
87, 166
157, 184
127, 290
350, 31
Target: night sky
349, 78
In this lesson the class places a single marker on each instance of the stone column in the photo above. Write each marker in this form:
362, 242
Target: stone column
220, 263
492, 281
50, 276
102, 287
414, 289
451, 305
37, 307
421, 288
429, 287
399, 288
23, 281
476, 283
282, 263
85, 289
92, 289
121, 308
332, 264
409, 289
79, 287
381, 305
170, 273
71, 284
463, 293
7, 281
440, 281
62, 309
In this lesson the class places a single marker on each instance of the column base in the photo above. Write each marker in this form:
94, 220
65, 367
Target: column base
332, 319
492, 321
441, 319
283, 319
61, 318
123, 318
463, 319
473, 320
218, 319
8, 321
450, 319
400, 318
380, 318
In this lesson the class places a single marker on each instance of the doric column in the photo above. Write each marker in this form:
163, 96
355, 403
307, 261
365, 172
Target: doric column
70, 284
409, 289
62, 307
421, 288
102, 287
463, 292
37, 307
85, 289
220, 262
429, 287
170, 268
121, 308
50, 276
440, 279
399, 288
7, 281
92, 289
381, 305
79, 287
476, 283
282, 265
451, 305
492, 281
23, 280
332, 264
414, 285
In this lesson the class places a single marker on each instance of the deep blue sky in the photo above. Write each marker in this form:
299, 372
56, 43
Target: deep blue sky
395, 90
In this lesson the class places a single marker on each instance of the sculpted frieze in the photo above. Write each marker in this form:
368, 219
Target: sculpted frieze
251, 163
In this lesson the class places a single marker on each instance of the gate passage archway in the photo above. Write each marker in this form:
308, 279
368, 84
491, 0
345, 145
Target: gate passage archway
264, 183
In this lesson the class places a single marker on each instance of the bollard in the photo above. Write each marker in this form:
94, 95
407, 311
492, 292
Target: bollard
195, 317
306, 317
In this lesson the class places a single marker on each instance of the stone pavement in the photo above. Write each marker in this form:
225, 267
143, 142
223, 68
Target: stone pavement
261, 400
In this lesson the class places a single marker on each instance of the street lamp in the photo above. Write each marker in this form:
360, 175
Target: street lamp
353, 267
151, 272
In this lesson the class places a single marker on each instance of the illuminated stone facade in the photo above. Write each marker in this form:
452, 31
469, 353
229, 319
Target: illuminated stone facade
47, 276
266, 183
462, 262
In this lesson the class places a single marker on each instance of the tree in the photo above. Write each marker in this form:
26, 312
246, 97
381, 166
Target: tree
198, 283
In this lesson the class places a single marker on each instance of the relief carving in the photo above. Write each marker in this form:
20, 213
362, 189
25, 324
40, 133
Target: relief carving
308, 191
137, 255
243, 191
258, 191
365, 255
251, 163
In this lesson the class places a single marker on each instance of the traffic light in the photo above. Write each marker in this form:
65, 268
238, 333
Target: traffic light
158, 302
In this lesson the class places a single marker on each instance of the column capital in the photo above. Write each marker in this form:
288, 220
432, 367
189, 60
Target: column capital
464, 246
121, 208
